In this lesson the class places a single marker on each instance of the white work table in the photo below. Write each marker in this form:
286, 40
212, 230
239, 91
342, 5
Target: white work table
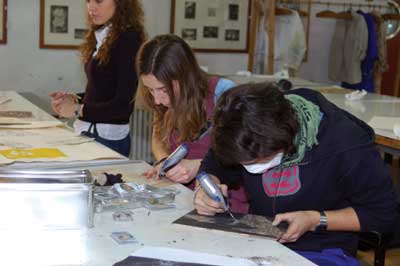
95, 247
371, 105
17, 102
365, 109
43, 131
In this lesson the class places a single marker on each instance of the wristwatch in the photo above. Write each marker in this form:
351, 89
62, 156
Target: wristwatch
77, 110
323, 222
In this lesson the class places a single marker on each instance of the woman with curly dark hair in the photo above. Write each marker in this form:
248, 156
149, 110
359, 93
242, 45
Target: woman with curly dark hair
108, 52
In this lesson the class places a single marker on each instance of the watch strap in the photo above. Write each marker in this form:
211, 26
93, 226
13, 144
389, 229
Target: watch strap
323, 222
77, 110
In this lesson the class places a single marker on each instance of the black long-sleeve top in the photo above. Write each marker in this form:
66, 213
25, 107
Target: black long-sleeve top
343, 170
110, 88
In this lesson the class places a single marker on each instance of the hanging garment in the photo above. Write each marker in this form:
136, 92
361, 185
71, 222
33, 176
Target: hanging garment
289, 44
260, 52
368, 64
348, 48
382, 64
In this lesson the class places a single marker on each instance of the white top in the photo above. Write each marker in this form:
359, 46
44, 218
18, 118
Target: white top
106, 131
290, 44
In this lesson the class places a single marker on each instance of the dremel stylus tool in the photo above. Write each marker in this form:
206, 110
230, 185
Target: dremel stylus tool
174, 158
213, 191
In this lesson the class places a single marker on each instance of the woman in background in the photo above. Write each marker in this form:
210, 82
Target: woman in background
181, 97
108, 52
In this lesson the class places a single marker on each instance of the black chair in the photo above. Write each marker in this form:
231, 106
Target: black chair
377, 242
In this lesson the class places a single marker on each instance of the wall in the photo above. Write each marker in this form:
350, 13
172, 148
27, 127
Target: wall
37, 72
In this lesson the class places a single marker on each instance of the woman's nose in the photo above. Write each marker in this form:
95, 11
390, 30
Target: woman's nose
91, 6
157, 98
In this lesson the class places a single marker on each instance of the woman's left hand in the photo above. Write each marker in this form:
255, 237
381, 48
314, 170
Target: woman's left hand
64, 104
299, 223
183, 172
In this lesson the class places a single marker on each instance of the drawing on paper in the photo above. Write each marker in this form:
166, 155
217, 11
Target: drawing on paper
16, 114
14, 154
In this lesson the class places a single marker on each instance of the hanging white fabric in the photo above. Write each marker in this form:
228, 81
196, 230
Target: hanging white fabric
289, 43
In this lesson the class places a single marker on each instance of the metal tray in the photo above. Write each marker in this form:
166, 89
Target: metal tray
47, 199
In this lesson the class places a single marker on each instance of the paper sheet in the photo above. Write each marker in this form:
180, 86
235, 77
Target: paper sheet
50, 144
16, 123
384, 122
35, 138
180, 255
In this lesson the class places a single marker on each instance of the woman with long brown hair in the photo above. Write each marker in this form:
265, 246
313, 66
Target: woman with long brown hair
108, 52
181, 97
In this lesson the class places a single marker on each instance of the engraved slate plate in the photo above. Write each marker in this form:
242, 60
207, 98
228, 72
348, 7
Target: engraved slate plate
246, 224
140, 261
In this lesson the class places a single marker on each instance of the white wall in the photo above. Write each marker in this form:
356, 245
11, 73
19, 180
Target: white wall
36, 72
26, 68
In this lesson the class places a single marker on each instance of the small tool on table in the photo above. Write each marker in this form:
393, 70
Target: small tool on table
213, 191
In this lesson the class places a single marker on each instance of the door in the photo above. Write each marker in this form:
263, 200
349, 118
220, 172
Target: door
390, 79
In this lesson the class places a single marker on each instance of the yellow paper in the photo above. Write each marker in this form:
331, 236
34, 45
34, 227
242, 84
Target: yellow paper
14, 154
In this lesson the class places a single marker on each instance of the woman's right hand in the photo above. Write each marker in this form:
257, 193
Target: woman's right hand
205, 205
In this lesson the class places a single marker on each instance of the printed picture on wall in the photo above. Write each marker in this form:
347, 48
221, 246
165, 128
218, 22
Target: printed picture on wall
210, 32
3, 21
80, 33
62, 24
212, 26
233, 12
212, 12
59, 19
189, 34
190, 10
232, 35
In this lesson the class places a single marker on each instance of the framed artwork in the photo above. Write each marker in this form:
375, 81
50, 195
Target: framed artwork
212, 26
3, 19
62, 24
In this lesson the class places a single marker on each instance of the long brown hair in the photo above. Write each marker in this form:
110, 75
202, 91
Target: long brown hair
169, 58
128, 15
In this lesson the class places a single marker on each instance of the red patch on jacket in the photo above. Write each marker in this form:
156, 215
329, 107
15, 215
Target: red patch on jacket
281, 182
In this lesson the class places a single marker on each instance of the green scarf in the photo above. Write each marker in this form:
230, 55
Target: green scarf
309, 118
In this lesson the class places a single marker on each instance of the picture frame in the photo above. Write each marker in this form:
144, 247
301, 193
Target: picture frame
212, 26
3, 20
62, 24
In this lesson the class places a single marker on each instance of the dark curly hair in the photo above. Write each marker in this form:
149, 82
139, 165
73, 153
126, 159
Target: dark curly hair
128, 15
252, 121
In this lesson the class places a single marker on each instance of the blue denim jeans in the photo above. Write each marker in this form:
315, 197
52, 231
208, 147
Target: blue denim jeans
329, 257
122, 146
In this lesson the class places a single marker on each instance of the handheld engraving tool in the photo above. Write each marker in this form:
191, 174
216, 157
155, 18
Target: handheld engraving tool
174, 158
213, 191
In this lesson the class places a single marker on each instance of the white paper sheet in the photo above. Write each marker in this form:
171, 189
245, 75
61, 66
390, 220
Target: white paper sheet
180, 255
15, 123
384, 122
